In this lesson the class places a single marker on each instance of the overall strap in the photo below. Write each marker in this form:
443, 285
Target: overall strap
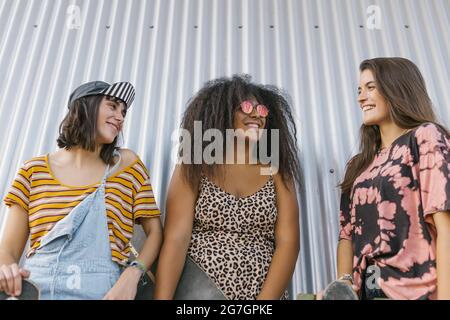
110, 169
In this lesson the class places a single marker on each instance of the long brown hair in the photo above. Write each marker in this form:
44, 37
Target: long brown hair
215, 104
400, 82
79, 127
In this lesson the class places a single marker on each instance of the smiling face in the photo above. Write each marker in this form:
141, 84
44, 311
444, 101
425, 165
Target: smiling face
252, 123
373, 105
111, 115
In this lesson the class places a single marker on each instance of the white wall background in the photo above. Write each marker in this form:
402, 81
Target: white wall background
169, 48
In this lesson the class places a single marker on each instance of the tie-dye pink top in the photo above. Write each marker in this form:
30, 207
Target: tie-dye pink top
388, 214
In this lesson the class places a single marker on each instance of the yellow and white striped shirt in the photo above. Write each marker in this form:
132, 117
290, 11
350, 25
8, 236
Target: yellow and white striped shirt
128, 196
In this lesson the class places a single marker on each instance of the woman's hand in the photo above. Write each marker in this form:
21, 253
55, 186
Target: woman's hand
11, 279
126, 287
12, 244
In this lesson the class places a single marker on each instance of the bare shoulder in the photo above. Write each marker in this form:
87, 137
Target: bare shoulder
286, 196
56, 156
285, 185
58, 160
180, 183
128, 157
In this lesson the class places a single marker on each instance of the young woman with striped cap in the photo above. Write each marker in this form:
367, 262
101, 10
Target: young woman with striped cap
78, 206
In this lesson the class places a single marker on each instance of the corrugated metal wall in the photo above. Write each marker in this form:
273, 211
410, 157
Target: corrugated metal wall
169, 48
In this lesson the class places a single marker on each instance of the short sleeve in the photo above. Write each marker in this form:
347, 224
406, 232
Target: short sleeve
433, 146
345, 226
19, 192
144, 203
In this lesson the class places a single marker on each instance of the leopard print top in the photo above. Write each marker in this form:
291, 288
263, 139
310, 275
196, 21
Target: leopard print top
233, 238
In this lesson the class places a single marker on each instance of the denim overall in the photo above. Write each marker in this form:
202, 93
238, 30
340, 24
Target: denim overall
74, 258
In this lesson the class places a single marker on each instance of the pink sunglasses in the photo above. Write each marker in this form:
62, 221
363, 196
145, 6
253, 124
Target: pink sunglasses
247, 108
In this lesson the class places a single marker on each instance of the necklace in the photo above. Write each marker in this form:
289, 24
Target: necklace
383, 149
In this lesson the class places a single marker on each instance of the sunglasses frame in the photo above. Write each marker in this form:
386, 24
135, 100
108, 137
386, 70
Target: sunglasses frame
262, 109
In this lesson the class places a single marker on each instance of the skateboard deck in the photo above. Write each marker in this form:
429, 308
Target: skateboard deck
30, 291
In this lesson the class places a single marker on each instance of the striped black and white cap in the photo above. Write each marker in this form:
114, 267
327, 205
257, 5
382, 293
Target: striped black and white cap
120, 90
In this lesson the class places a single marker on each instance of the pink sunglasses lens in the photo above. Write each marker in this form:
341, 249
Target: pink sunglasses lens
262, 110
246, 107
